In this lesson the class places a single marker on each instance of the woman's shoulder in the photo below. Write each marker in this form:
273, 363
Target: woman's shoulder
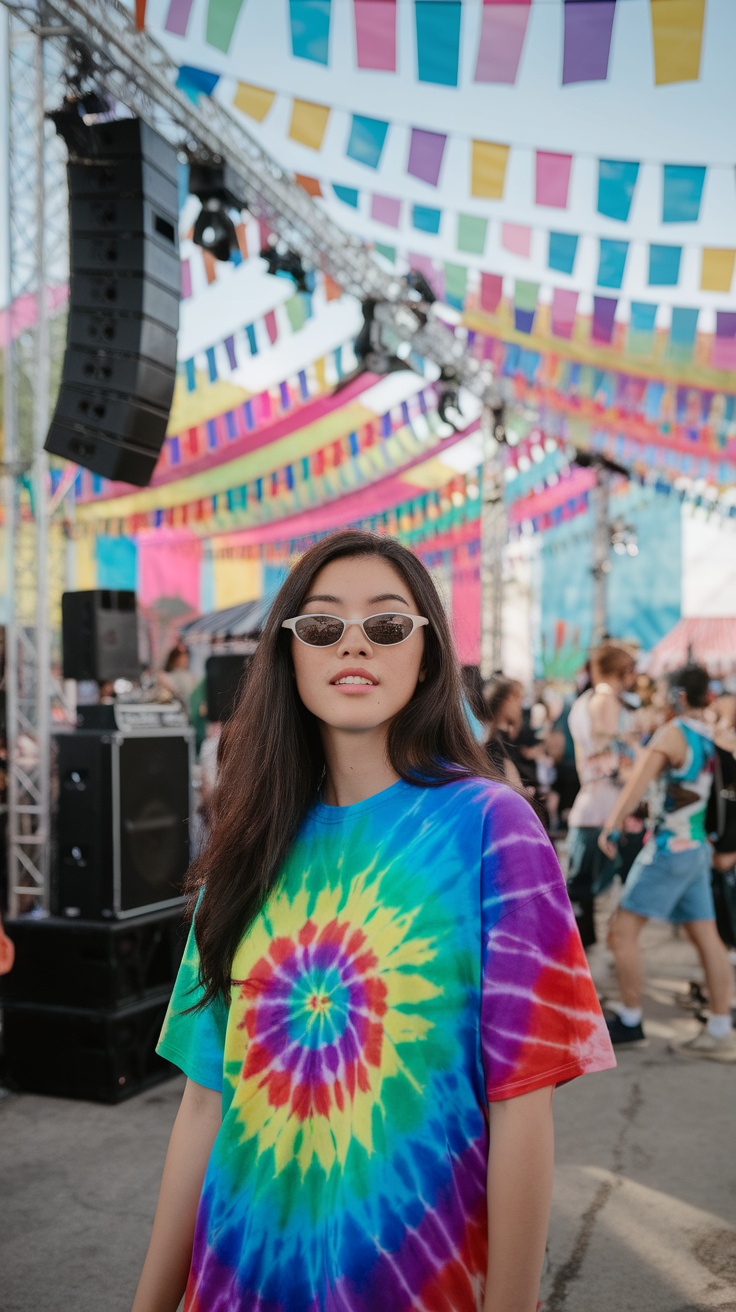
494, 801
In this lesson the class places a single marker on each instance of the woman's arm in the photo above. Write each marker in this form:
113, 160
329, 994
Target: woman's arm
520, 1167
165, 1270
666, 748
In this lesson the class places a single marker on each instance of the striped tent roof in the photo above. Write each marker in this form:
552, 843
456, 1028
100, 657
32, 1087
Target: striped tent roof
709, 641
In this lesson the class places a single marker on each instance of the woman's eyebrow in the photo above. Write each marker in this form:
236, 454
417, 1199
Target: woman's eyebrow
322, 596
388, 596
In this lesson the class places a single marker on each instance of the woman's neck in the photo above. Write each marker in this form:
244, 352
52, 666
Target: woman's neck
357, 765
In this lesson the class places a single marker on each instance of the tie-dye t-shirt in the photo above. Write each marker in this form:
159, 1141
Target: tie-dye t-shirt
418, 961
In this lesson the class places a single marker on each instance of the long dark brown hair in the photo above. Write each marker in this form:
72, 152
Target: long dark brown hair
271, 762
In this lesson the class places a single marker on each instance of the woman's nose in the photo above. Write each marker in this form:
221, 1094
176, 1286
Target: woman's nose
354, 640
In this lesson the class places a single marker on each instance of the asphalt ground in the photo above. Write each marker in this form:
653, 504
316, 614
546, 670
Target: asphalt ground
644, 1214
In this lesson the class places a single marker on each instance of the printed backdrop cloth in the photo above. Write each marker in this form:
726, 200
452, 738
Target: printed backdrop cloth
418, 960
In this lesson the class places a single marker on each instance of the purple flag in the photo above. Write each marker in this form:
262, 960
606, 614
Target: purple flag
178, 17
588, 28
604, 310
724, 342
501, 40
425, 155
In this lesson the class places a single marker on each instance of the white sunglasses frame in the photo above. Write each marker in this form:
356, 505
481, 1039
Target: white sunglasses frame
418, 622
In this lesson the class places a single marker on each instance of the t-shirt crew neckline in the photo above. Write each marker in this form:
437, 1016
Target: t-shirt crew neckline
333, 815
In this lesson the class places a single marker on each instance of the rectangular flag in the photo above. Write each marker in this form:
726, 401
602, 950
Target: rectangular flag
677, 37
488, 169
641, 328
472, 231
253, 101
386, 209
222, 15
503, 30
525, 305
434, 273
724, 343
456, 285
348, 195
717, 269
310, 30
516, 238
564, 308
664, 265
604, 310
587, 41
611, 262
308, 123
491, 290
438, 40
425, 155
683, 331
562, 251
426, 219
178, 17
682, 192
616, 183
375, 34
367, 139
553, 179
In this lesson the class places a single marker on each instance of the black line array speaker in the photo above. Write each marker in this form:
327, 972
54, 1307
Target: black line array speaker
122, 822
120, 364
225, 675
99, 635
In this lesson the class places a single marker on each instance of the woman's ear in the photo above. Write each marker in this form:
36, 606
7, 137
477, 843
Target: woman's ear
422, 675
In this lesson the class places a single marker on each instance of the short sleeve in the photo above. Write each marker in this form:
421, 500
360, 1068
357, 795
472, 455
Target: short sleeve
541, 1022
194, 1040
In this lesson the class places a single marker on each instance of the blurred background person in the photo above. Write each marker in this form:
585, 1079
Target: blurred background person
602, 730
721, 820
503, 714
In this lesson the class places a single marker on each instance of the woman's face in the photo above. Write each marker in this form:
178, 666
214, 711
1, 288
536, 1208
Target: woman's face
355, 587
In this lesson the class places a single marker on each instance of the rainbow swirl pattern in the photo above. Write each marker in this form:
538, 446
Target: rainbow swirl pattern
418, 960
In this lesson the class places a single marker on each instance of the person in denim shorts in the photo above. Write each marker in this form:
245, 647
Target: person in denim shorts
670, 879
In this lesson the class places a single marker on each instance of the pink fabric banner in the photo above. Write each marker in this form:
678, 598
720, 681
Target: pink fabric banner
516, 238
375, 34
169, 566
178, 17
23, 313
501, 40
186, 280
386, 209
425, 155
553, 179
491, 291
564, 308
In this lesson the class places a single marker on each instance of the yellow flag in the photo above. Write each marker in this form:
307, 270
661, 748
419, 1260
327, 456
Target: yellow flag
677, 35
253, 101
85, 563
717, 269
308, 123
488, 173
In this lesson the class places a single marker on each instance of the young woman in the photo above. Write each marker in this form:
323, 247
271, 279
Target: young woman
382, 986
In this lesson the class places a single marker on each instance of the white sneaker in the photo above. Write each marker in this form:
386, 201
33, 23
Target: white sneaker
704, 1045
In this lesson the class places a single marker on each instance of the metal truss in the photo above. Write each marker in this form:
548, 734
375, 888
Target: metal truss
493, 537
36, 258
138, 72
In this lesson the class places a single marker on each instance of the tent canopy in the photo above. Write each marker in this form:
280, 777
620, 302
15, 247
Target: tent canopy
244, 621
709, 642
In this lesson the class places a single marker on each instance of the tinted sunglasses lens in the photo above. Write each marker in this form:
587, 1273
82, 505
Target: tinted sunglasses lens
388, 629
319, 630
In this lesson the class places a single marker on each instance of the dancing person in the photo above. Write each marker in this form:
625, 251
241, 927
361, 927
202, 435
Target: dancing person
601, 728
671, 877
382, 984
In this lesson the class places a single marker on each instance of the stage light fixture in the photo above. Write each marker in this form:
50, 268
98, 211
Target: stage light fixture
284, 263
212, 182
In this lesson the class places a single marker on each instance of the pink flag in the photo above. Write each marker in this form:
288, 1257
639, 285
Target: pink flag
553, 179
564, 306
434, 273
516, 238
501, 40
386, 209
375, 34
491, 289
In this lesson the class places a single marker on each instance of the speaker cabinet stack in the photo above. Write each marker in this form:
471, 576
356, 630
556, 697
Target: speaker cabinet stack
99, 635
85, 1002
120, 364
86, 999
